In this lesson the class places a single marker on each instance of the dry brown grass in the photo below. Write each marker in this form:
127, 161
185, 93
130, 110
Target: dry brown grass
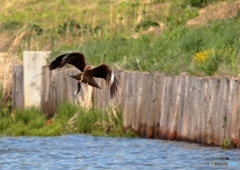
6, 66
214, 12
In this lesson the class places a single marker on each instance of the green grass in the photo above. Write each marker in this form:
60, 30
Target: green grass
172, 52
68, 119
226, 144
104, 31
31, 122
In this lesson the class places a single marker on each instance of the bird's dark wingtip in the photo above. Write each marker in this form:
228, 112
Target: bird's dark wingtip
56, 63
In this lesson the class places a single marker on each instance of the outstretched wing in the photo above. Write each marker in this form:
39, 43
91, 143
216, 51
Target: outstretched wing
75, 59
105, 72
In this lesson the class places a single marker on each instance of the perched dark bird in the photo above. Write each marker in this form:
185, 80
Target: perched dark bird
88, 72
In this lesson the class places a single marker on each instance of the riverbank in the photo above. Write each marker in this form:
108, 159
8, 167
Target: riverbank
68, 119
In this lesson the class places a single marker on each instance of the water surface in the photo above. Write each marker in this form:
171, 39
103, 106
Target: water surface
88, 152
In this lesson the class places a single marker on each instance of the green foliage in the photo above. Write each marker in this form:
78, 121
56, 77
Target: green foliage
206, 62
28, 116
11, 25
224, 123
36, 28
69, 118
145, 24
171, 52
201, 3
101, 123
66, 110
104, 32
30, 122
226, 144
179, 14
86, 120
198, 3
5, 123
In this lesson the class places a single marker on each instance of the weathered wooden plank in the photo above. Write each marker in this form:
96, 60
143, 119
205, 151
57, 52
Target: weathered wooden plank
234, 128
197, 109
173, 109
227, 119
156, 99
148, 117
222, 109
126, 111
57, 90
166, 104
204, 102
185, 113
213, 90
141, 104
137, 108
122, 90
208, 110
236, 118
45, 93
17, 87
191, 114
215, 123
118, 95
133, 100
59, 87
180, 117
130, 99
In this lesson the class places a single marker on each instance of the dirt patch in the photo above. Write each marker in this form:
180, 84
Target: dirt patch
214, 12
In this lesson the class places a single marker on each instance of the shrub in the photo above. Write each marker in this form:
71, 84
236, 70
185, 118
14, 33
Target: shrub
198, 3
146, 23
208, 62
69, 118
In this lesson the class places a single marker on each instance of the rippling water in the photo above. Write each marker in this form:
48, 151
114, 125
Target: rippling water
87, 152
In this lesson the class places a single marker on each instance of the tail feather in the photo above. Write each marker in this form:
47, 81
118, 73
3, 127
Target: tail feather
78, 88
114, 88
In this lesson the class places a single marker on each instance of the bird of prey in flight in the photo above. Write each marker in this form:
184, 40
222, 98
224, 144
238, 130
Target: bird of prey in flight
88, 72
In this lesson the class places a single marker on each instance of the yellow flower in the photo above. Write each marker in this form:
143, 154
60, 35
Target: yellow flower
202, 55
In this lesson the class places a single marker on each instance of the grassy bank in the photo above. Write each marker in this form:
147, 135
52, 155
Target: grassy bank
205, 51
136, 35
68, 119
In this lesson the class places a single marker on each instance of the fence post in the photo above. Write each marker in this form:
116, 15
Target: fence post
17, 87
32, 64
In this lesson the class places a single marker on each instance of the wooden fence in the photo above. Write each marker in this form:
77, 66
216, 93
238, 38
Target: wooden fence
201, 110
